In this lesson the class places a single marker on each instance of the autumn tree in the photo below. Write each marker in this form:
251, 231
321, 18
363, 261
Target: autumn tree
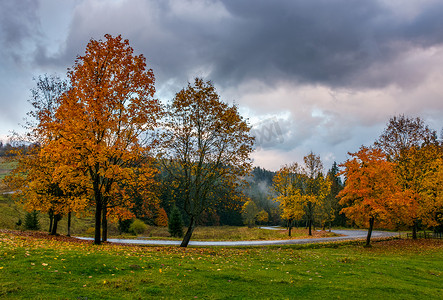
37, 187
33, 179
402, 133
301, 190
262, 216
102, 124
314, 188
419, 171
249, 213
285, 183
412, 145
433, 193
207, 147
372, 192
162, 218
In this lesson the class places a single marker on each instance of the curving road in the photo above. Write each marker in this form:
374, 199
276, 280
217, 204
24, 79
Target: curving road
348, 235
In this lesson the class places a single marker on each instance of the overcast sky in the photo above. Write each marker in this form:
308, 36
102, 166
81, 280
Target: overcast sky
322, 76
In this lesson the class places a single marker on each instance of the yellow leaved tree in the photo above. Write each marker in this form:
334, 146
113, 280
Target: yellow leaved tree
288, 196
301, 191
412, 146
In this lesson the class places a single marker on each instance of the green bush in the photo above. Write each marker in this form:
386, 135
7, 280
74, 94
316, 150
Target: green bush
175, 223
138, 227
31, 221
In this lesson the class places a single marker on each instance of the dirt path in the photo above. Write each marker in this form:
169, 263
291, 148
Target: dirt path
348, 235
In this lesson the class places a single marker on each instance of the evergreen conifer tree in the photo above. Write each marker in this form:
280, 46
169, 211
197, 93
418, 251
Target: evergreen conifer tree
31, 221
175, 223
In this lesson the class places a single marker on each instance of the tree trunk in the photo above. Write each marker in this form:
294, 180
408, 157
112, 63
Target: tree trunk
310, 226
57, 217
105, 223
51, 218
69, 224
329, 226
371, 226
290, 223
414, 230
98, 219
189, 232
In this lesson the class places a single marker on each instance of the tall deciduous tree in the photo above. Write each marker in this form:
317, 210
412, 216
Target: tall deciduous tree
207, 149
433, 193
102, 122
301, 190
285, 183
411, 144
33, 178
372, 192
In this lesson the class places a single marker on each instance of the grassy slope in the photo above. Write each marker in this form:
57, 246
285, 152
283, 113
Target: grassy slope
41, 268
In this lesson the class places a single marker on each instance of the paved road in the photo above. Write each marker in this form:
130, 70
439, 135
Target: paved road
349, 235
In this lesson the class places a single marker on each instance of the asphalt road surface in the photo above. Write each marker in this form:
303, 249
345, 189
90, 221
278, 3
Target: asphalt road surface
348, 235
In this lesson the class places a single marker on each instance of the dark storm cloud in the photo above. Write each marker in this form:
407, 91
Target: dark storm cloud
329, 42
330, 71
332, 42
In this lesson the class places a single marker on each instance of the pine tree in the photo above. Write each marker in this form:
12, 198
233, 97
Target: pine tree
31, 221
175, 223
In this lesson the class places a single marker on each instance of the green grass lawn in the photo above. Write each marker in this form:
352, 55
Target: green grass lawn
41, 267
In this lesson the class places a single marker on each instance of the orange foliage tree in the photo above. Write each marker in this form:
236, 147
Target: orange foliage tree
372, 191
33, 179
162, 218
102, 124
207, 146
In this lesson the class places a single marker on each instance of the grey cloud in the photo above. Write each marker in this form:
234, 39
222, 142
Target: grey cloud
328, 42
17, 22
331, 42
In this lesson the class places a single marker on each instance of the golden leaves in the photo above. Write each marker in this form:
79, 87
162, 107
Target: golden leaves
300, 188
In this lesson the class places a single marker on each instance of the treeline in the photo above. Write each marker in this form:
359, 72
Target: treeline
396, 183
9, 150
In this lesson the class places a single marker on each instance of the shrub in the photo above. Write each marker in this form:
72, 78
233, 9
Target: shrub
175, 223
123, 225
138, 227
31, 221
90, 231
